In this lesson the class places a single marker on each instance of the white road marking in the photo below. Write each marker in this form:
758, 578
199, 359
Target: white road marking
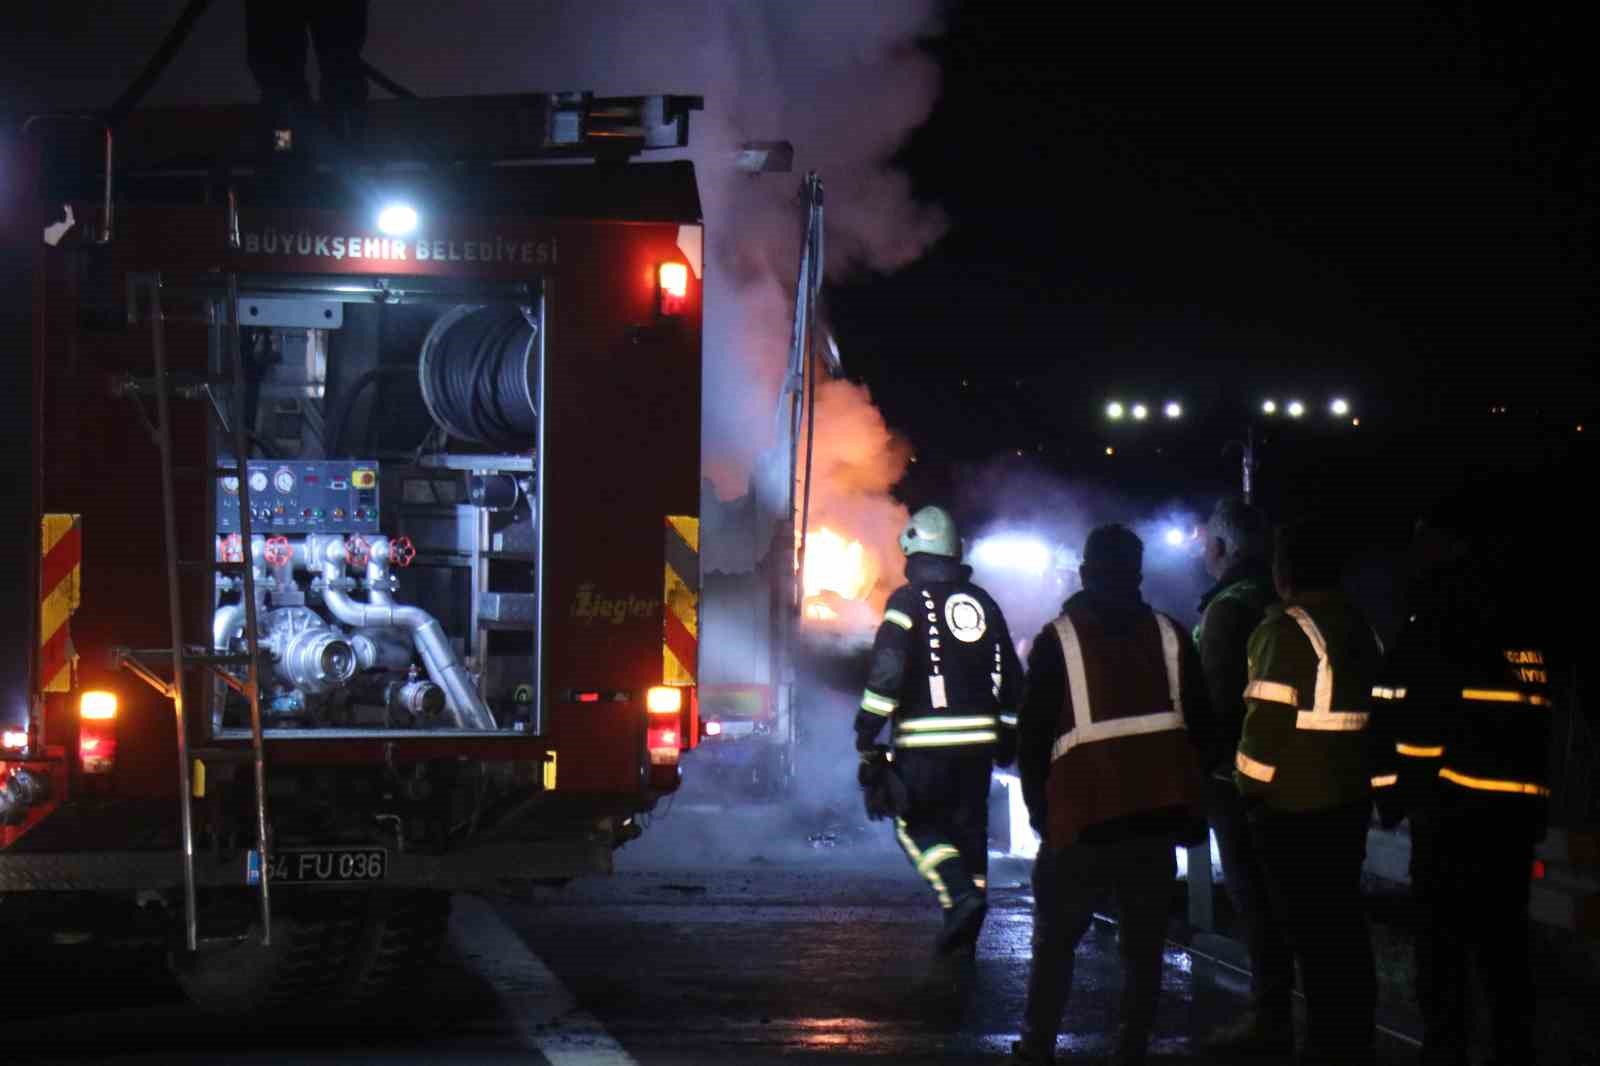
544, 1012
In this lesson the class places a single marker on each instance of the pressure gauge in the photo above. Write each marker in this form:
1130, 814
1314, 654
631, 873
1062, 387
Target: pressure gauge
283, 481
230, 485
258, 481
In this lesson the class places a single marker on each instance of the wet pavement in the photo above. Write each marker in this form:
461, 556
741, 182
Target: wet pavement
722, 938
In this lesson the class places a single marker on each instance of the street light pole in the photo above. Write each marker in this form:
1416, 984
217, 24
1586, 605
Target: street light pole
1249, 463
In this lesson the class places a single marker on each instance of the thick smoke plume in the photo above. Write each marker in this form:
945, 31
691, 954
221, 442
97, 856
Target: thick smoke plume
845, 82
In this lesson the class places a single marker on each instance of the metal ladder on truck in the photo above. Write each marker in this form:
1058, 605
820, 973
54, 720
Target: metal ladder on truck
182, 657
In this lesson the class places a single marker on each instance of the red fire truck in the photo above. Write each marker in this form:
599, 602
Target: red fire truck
354, 542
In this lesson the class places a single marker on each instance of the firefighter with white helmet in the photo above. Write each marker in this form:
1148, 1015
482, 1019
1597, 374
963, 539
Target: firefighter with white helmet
946, 679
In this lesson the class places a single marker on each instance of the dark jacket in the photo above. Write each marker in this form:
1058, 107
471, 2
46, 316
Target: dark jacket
1229, 613
1463, 709
1047, 694
943, 668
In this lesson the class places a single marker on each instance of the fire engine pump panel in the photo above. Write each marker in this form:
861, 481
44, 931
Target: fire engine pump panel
392, 511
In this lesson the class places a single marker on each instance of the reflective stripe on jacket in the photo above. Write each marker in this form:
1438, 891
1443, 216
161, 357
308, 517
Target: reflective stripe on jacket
1464, 712
1304, 746
1121, 745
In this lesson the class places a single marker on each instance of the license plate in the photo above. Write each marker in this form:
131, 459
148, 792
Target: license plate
321, 866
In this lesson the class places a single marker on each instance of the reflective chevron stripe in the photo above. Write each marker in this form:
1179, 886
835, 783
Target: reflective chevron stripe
680, 639
60, 589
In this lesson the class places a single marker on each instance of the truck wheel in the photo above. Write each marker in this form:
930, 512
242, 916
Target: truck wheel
400, 940
313, 942
329, 951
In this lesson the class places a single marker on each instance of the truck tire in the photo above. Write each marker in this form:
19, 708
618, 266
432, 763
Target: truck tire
313, 941
330, 951
401, 938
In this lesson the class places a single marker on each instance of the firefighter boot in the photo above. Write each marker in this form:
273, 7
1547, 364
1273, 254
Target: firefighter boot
963, 923
1255, 1034
1024, 1054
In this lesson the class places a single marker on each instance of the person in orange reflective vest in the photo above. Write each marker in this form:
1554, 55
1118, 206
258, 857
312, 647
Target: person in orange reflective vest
1114, 739
1464, 709
945, 676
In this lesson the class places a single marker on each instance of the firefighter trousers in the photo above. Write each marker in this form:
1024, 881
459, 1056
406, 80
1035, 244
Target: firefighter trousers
1472, 886
1067, 886
945, 828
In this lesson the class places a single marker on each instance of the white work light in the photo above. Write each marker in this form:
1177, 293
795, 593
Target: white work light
1270, 407
1340, 407
1140, 412
397, 220
1296, 409
1174, 409
1114, 411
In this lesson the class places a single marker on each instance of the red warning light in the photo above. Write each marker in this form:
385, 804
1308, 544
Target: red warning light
673, 291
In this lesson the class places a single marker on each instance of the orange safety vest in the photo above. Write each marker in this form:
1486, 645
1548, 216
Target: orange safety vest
1121, 746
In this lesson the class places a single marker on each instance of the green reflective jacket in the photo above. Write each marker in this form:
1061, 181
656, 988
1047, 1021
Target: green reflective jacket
1305, 745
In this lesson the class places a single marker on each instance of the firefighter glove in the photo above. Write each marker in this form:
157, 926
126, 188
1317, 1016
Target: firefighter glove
882, 791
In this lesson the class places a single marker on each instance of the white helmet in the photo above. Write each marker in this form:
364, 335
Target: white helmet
933, 532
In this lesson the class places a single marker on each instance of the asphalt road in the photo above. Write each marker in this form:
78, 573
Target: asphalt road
723, 937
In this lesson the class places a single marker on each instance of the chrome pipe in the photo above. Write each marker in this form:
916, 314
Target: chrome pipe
444, 668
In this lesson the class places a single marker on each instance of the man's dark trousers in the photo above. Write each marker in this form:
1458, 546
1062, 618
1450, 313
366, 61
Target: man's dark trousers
1313, 863
1067, 886
1472, 886
1271, 960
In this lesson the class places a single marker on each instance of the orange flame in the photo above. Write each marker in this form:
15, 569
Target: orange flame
837, 565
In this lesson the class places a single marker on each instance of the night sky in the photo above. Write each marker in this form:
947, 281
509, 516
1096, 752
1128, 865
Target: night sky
1221, 203
1216, 204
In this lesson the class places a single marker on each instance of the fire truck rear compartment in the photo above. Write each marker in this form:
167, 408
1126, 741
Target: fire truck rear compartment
392, 489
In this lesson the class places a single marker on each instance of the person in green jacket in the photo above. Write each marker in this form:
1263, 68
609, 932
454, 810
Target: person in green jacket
1304, 769
1238, 548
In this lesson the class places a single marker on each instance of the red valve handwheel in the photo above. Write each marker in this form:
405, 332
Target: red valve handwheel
357, 550
278, 551
401, 552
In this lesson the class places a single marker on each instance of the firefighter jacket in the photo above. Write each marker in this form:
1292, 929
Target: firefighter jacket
1115, 726
1305, 745
1462, 710
1229, 613
943, 666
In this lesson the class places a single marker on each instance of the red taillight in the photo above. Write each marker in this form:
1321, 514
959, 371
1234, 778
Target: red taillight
97, 732
588, 697
665, 741
1538, 869
673, 288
